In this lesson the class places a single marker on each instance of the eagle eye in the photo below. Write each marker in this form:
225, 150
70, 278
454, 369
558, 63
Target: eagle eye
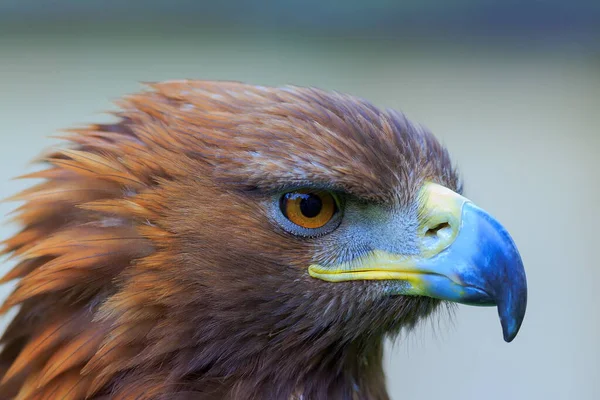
309, 212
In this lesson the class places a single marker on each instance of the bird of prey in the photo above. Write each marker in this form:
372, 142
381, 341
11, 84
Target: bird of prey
227, 241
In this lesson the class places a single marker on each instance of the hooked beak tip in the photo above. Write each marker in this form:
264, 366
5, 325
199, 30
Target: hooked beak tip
512, 315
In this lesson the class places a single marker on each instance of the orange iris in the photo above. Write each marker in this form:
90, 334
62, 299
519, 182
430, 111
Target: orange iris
308, 208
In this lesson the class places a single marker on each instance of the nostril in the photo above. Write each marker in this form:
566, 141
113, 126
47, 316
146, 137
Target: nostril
437, 235
439, 230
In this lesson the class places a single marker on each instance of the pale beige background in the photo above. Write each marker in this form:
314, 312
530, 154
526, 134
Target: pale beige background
523, 126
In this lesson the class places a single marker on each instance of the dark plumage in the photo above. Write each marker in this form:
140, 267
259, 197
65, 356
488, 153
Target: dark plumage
151, 266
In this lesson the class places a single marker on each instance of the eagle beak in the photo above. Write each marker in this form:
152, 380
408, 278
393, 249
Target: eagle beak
466, 256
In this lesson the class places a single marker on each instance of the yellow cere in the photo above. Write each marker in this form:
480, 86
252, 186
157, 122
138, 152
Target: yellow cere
440, 213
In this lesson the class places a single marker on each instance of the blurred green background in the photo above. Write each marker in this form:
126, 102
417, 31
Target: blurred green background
511, 87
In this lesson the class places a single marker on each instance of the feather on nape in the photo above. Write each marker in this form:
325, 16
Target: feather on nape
83, 227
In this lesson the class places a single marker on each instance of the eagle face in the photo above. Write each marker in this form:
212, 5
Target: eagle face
310, 182
226, 238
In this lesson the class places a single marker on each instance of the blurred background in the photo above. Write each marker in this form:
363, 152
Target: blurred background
511, 87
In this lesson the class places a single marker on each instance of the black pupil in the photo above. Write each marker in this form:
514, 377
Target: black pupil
310, 205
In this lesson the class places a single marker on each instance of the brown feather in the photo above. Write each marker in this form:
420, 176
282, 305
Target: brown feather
67, 386
40, 347
74, 354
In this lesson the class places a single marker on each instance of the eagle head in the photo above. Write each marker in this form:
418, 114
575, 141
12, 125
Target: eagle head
223, 240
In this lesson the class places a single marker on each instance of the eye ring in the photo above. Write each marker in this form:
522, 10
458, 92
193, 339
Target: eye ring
308, 212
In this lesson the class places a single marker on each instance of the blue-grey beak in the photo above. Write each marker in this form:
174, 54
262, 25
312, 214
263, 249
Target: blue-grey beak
466, 256
481, 267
